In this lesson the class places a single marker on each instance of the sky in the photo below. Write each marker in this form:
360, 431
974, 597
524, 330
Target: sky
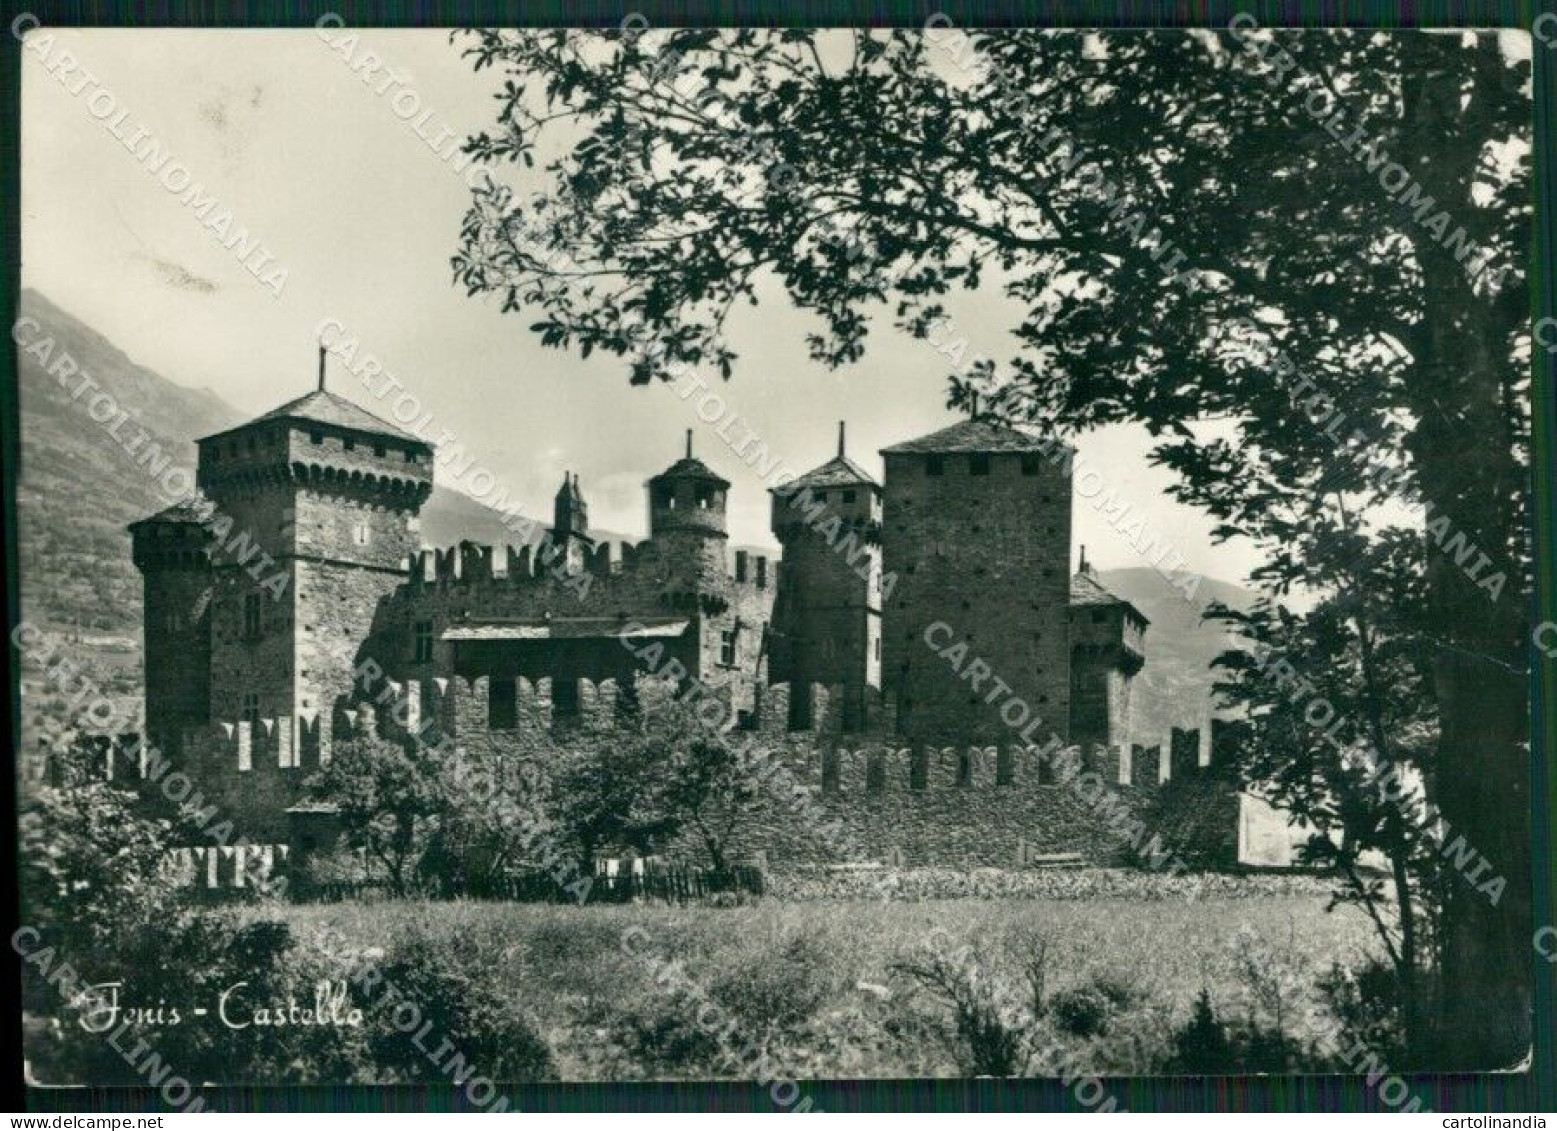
363, 217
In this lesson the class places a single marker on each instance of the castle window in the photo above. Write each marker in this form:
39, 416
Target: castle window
727, 648
359, 532
251, 713
848, 496
1003, 769
316, 437
875, 771
964, 767
1029, 465
253, 619
919, 768
935, 465
627, 705
565, 699
878, 647
829, 771
424, 641
704, 493
978, 465
380, 451
410, 456
800, 707
502, 703
349, 444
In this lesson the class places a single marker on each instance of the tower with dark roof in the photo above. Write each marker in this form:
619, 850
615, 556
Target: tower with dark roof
976, 532
827, 613
1108, 648
307, 521
570, 525
687, 522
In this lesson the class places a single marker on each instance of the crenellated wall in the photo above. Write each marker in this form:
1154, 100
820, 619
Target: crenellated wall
824, 795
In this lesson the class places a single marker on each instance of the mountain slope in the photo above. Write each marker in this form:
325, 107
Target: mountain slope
1174, 688
79, 489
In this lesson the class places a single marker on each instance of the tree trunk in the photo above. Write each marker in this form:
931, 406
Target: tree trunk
1462, 452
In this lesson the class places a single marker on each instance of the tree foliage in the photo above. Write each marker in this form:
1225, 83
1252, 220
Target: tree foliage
1296, 258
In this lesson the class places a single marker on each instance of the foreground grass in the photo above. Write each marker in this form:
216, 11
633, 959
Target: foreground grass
841, 1009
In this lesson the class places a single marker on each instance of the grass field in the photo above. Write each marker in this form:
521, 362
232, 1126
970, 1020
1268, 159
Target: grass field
813, 983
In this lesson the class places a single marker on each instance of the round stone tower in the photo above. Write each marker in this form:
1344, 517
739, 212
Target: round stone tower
687, 525
172, 551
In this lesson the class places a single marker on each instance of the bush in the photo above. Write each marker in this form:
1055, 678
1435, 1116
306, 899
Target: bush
1086, 1010
989, 1033
778, 988
660, 1035
448, 983
1366, 1005
1201, 1046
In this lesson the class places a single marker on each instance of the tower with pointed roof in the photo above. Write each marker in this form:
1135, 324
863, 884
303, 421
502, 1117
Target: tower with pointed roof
687, 520
827, 613
307, 518
570, 536
976, 531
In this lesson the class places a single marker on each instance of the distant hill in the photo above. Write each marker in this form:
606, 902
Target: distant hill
1174, 687
78, 489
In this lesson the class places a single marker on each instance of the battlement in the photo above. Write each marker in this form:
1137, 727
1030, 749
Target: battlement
475, 563
873, 766
286, 745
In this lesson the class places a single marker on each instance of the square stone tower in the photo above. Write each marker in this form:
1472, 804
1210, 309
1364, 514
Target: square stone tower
329, 493
976, 531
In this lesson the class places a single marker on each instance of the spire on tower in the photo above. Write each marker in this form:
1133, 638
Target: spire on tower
689, 443
321, 366
840, 439
1084, 568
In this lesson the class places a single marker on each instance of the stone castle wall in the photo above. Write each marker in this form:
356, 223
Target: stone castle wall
823, 796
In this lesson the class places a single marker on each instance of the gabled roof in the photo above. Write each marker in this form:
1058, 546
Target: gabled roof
1086, 589
840, 471
324, 407
972, 436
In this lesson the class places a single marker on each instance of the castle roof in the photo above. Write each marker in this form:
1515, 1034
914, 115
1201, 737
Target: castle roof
840, 471
979, 436
324, 407
184, 510
690, 467
1086, 589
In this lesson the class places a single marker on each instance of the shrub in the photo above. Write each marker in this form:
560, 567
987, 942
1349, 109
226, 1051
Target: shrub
1366, 1005
778, 988
448, 982
1201, 1046
658, 1031
989, 1033
1086, 1010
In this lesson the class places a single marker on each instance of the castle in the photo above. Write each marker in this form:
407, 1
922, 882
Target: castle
824, 652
